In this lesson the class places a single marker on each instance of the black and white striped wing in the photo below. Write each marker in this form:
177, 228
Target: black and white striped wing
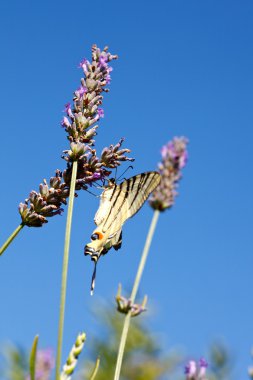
140, 188
104, 206
120, 202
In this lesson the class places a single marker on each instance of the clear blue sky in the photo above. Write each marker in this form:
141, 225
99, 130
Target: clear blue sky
185, 68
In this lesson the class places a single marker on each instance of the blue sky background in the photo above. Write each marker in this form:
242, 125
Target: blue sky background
185, 68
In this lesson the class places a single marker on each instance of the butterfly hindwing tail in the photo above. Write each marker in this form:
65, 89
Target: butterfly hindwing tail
119, 242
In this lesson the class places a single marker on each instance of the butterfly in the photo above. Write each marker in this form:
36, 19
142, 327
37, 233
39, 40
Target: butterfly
118, 203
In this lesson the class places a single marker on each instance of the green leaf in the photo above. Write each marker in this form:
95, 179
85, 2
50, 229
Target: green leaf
32, 359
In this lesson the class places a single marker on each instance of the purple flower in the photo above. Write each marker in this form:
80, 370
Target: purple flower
124, 305
203, 363
108, 79
68, 110
174, 157
65, 122
202, 367
190, 369
84, 64
97, 176
45, 203
44, 365
194, 371
80, 123
67, 107
111, 157
103, 61
176, 150
80, 91
101, 112
88, 97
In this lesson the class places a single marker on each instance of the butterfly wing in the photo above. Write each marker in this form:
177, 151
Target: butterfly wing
105, 205
140, 188
124, 200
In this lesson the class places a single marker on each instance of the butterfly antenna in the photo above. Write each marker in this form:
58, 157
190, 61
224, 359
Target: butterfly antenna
116, 169
93, 278
129, 167
97, 186
90, 192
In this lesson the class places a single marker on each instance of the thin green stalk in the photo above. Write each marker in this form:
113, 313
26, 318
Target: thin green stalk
134, 292
65, 271
95, 370
10, 238
32, 359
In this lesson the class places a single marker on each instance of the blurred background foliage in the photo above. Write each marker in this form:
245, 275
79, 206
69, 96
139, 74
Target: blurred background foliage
145, 357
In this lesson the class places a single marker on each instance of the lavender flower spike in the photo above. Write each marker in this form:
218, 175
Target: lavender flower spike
196, 371
174, 158
80, 123
124, 305
72, 359
190, 369
88, 97
45, 203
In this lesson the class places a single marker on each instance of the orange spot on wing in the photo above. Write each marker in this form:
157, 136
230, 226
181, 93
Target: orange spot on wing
100, 235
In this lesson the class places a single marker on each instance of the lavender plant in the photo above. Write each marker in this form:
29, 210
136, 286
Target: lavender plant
71, 362
84, 166
196, 371
144, 358
174, 157
80, 123
44, 365
124, 305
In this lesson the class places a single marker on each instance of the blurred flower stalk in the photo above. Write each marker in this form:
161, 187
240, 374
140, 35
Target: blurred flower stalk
72, 359
174, 158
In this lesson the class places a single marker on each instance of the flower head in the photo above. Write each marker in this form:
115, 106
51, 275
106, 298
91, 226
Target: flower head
80, 124
190, 369
84, 64
65, 122
45, 203
80, 91
174, 157
72, 359
112, 156
44, 365
103, 60
124, 305
196, 371
101, 112
88, 97
68, 110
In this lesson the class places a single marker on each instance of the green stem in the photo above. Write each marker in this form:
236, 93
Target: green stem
65, 270
95, 370
32, 359
10, 238
134, 292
